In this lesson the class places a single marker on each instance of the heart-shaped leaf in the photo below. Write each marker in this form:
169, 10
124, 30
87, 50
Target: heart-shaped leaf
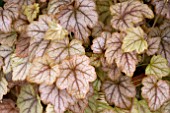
3, 87
43, 70
28, 101
158, 67
134, 40
20, 67
76, 73
76, 16
99, 43
155, 91
129, 13
162, 7
59, 98
120, 93
8, 39
60, 49
8, 106
31, 11
55, 32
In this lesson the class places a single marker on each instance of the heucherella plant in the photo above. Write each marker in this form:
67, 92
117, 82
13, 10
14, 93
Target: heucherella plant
85, 56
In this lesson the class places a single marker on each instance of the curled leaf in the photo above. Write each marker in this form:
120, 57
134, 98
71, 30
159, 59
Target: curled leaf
43, 70
134, 40
76, 73
155, 91
119, 93
129, 13
158, 67
61, 49
28, 101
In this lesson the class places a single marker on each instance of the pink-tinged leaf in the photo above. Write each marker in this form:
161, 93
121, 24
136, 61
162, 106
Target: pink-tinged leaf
59, 98
155, 91
120, 93
76, 73
21, 2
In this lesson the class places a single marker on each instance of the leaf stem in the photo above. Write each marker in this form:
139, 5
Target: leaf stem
142, 65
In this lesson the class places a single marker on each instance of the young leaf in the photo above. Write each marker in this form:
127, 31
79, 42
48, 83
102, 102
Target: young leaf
20, 67
120, 93
155, 91
3, 87
31, 11
158, 67
166, 107
76, 16
99, 43
162, 7
50, 109
134, 40
61, 49
55, 31
8, 39
129, 13
43, 70
59, 98
8, 106
22, 45
76, 73
153, 45
95, 60
28, 101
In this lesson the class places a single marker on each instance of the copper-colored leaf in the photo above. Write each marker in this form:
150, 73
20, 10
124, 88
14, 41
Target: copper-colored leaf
8, 106
155, 91
43, 70
76, 16
76, 73
99, 43
162, 7
120, 93
59, 98
61, 49
8, 39
129, 13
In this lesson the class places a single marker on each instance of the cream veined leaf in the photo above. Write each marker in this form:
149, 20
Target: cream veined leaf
55, 32
76, 73
3, 87
28, 101
134, 40
60, 99
31, 11
49, 109
158, 67
8, 106
120, 93
61, 49
20, 67
155, 91
129, 13
43, 70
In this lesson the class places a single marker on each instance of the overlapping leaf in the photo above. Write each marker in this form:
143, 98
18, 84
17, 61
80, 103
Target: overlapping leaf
3, 87
43, 70
28, 101
9, 12
158, 67
127, 61
31, 11
129, 13
59, 98
166, 107
155, 91
76, 16
134, 40
76, 73
21, 2
119, 93
8, 39
162, 7
99, 43
20, 67
8, 106
61, 49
